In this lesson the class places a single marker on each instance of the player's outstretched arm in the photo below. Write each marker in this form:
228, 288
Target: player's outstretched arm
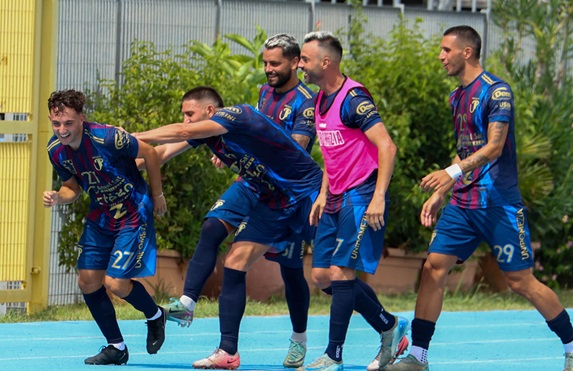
68, 193
165, 152
175, 133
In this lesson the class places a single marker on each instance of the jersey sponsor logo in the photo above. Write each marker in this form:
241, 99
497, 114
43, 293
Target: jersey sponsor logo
365, 107
322, 125
98, 163
505, 105
121, 139
217, 204
475, 103
308, 113
359, 237
226, 115
520, 215
501, 94
233, 109
69, 166
286, 111
330, 138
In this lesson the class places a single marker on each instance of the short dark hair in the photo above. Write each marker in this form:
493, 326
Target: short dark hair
325, 40
468, 36
61, 99
204, 92
286, 42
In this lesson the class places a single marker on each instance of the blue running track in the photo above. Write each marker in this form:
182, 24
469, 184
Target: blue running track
496, 340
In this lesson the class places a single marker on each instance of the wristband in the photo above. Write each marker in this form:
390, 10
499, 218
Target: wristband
454, 171
161, 195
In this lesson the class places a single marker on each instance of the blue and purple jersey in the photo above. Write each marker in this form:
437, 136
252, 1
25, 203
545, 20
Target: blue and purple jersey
264, 155
104, 167
293, 110
486, 100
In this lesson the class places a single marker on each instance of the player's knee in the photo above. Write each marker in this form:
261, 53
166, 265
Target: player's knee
320, 278
520, 283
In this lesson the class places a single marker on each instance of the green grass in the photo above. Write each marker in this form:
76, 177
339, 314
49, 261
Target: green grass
475, 300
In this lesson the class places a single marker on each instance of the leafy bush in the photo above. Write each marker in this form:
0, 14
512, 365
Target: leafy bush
544, 113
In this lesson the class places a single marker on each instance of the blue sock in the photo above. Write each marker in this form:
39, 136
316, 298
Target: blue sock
561, 325
102, 311
297, 296
232, 302
202, 264
340, 313
141, 300
422, 332
368, 305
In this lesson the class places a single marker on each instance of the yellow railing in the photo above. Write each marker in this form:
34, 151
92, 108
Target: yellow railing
28, 35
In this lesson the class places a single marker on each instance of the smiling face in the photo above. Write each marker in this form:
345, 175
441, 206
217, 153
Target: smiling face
311, 62
278, 68
68, 126
453, 55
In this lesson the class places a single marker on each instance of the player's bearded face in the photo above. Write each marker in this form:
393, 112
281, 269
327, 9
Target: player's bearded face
68, 126
277, 68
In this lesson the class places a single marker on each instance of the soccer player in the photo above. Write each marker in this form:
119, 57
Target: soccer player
351, 209
485, 188
285, 180
287, 101
118, 241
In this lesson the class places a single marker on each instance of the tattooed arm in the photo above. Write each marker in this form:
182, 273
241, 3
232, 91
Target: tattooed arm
441, 181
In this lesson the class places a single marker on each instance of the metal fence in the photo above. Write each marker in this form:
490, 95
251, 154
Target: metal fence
95, 38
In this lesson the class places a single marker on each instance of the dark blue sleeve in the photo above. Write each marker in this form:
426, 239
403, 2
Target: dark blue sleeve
120, 143
304, 120
359, 110
500, 103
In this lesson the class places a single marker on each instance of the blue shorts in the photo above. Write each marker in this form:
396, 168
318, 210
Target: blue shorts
283, 230
235, 204
128, 253
459, 232
293, 255
345, 239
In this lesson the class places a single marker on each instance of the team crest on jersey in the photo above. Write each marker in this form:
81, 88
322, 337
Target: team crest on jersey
308, 113
121, 139
501, 94
364, 107
98, 163
217, 204
475, 104
286, 111
69, 166
241, 227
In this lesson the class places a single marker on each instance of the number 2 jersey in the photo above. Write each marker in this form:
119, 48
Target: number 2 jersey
487, 99
104, 167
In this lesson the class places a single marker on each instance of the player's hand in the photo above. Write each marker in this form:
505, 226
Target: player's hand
375, 213
50, 198
217, 162
430, 209
159, 205
435, 180
317, 209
